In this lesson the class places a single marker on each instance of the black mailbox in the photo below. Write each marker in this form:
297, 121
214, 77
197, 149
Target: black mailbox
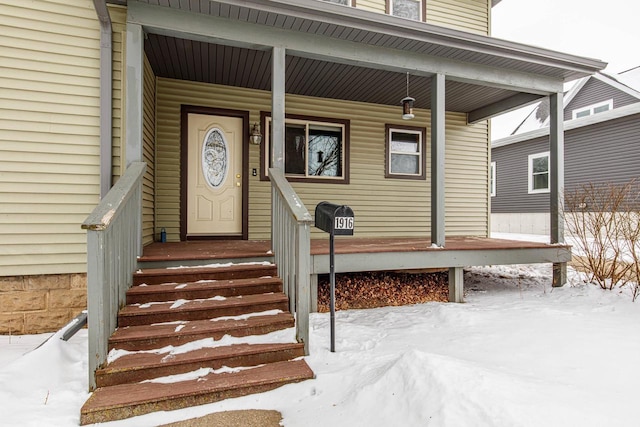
336, 219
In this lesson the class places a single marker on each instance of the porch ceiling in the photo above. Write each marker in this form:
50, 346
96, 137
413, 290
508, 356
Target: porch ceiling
346, 53
192, 60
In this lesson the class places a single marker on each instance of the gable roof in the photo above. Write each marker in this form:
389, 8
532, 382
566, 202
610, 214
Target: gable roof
616, 113
532, 119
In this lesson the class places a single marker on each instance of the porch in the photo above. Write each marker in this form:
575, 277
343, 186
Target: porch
354, 254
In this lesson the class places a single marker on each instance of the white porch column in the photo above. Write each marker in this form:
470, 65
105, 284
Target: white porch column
133, 93
556, 175
437, 159
277, 106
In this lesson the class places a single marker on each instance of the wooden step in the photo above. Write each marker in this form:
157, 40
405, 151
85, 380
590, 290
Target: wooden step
147, 337
203, 289
146, 314
157, 276
138, 367
129, 400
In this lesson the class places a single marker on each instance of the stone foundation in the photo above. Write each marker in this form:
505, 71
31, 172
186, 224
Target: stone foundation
37, 304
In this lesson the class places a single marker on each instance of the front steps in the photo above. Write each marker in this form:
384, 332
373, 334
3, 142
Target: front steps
206, 310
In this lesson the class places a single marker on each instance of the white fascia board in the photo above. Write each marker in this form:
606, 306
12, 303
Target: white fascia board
617, 113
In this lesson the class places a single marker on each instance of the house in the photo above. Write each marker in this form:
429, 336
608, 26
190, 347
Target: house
217, 126
602, 124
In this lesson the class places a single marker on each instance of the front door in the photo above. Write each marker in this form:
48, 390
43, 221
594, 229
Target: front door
214, 177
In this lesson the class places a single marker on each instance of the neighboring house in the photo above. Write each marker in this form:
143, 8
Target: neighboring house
602, 145
89, 88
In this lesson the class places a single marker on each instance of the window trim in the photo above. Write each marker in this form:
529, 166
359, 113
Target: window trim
591, 108
530, 172
492, 183
265, 147
423, 10
388, 128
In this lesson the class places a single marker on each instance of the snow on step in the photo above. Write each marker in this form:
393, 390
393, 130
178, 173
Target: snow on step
203, 289
154, 312
128, 400
139, 366
213, 271
144, 337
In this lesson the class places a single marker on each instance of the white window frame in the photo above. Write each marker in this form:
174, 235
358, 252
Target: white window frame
421, 132
307, 123
493, 179
591, 109
420, 10
532, 157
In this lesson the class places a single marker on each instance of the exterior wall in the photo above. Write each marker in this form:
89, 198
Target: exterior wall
383, 207
372, 5
49, 134
465, 15
149, 137
118, 26
43, 303
604, 152
521, 223
595, 91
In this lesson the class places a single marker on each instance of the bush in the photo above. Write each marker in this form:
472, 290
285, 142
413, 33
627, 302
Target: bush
603, 219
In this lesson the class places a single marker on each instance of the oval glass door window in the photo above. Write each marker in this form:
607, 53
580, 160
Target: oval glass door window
215, 155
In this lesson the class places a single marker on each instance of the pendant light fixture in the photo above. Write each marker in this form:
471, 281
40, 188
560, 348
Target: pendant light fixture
407, 104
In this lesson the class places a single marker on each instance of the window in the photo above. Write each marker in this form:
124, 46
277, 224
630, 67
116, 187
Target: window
314, 148
405, 148
493, 179
410, 9
539, 173
593, 109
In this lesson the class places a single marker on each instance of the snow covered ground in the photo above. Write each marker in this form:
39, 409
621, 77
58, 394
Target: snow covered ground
517, 353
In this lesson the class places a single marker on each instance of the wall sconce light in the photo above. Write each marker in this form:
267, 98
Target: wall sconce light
407, 104
255, 137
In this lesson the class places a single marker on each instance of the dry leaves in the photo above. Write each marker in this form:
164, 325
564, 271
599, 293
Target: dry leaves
379, 289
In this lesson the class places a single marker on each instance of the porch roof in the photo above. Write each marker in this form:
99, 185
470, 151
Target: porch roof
347, 53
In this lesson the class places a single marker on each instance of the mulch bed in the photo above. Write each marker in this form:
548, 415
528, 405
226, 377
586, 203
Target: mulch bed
379, 289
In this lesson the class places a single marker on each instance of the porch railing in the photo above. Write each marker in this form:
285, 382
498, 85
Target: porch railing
113, 246
291, 243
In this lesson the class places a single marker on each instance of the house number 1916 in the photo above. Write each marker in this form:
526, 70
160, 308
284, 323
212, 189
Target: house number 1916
344, 223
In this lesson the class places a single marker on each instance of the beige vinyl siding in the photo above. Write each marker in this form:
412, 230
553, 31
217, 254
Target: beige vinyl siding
466, 15
118, 33
383, 207
49, 134
466, 177
372, 5
149, 131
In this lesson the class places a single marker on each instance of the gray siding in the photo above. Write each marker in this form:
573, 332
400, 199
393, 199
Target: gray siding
595, 91
603, 152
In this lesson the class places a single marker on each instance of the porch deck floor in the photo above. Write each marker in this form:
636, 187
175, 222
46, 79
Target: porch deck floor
235, 249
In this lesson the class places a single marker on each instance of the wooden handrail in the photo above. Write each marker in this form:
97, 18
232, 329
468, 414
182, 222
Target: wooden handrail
113, 246
291, 243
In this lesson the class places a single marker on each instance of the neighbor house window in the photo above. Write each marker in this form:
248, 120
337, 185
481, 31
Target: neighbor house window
493, 179
539, 173
410, 9
405, 152
590, 110
314, 148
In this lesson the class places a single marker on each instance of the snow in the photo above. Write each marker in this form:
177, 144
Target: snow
517, 353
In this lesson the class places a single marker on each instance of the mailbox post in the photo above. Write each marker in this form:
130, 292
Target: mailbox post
337, 220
